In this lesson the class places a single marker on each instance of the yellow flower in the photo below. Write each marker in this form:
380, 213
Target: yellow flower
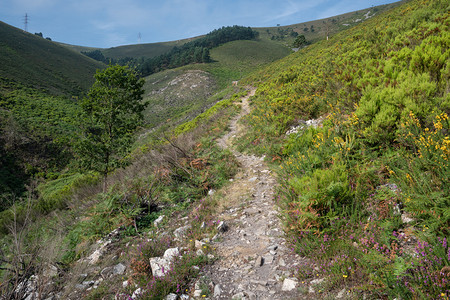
345, 276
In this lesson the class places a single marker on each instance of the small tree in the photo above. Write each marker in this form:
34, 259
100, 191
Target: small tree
112, 111
300, 41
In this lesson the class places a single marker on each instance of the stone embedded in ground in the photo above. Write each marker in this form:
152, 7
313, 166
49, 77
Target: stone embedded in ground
171, 253
217, 290
172, 296
259, 261
197, 293
199, 244
289, 284
136, 294
238, 296
158, 220
180, 232
159, 266
50, 271
406, 218
119, 269
222, 227
314, 283
268, 259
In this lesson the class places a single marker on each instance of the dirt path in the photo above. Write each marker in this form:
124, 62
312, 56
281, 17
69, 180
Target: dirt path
254, 259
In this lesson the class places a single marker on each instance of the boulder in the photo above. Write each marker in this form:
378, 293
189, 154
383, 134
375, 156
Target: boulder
289, 285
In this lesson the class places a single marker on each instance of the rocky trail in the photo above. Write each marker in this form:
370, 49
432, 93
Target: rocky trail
255, 261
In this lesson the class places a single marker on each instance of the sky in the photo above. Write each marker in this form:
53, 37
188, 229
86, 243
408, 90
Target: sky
111, 23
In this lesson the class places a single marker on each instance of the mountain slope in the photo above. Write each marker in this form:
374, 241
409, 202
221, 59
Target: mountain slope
39, 63
357, 130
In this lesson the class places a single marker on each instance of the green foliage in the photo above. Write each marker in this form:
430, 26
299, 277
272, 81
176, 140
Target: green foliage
56, 194
34, 140
381, 151
112, 112
299, 41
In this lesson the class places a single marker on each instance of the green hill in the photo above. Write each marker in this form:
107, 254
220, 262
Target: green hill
354, 129
39, 63
183, 93
143, 50
365, 192
146, 50
317, 30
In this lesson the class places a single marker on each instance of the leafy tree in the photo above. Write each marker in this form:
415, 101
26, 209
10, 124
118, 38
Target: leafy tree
300, 41
112, 111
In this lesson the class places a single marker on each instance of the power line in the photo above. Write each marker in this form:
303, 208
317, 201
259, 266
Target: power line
25, 21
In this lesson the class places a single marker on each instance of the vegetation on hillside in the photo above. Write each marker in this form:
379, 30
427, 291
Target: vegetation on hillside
35, 130
41, 64
112, 111
196, 51
366, 195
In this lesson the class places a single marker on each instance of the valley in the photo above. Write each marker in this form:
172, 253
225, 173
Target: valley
261, 173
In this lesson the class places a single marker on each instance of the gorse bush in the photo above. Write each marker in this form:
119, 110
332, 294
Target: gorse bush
377, 163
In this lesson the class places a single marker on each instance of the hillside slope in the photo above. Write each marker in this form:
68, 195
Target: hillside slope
182, 93
39, 63
316, 30
357, 129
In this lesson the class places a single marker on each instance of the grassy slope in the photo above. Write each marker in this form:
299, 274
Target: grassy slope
381, 156
39, 63
143, 50
146, 50
334, 24
178, 100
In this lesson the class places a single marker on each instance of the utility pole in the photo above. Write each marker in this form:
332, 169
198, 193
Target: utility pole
25, 21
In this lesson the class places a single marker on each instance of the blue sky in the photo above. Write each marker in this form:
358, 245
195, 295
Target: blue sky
109, 23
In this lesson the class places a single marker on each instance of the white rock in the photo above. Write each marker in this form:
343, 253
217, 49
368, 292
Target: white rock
119, 269
180, 232
160, 266
197, 293
136, 293
240, 295
172, 296
406, 218
314, 283
125, 284
171, 253
217, 291
199, 244
158, 221
222, 227
289, 285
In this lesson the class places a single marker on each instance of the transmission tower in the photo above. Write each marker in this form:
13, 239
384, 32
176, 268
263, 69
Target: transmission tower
25, 22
